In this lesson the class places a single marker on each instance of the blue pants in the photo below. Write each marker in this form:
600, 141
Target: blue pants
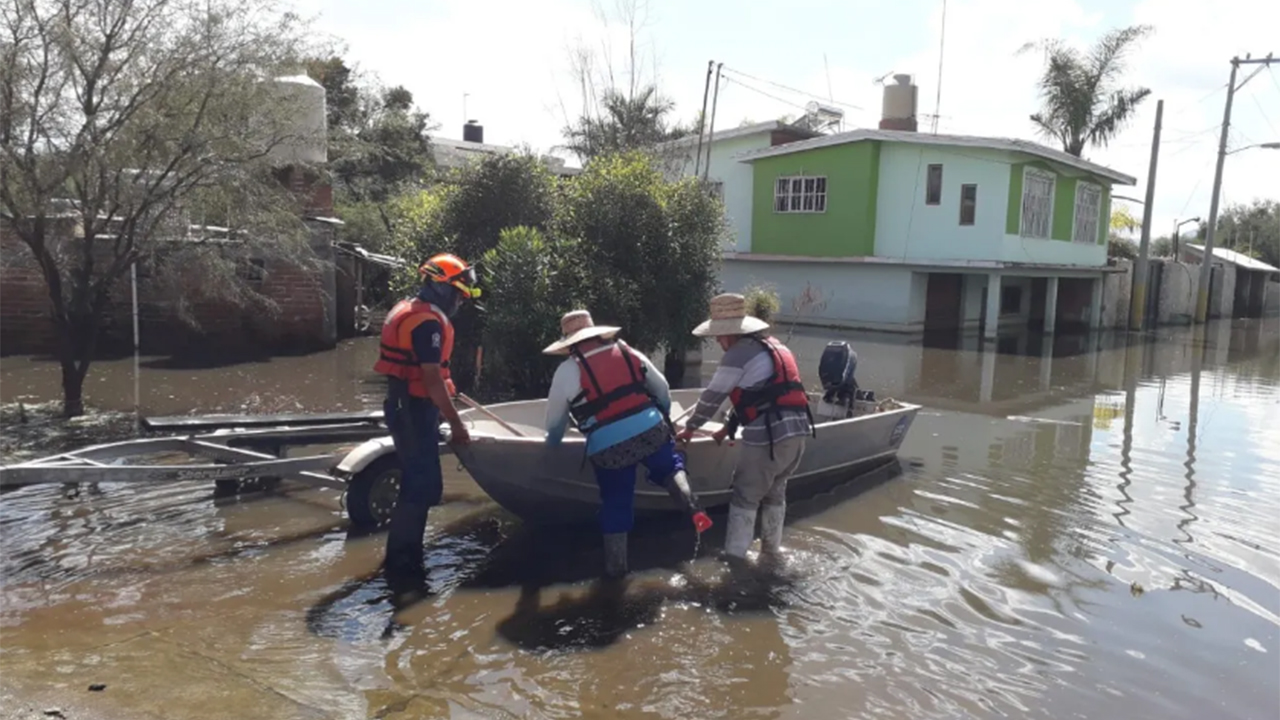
415, 428
618, 486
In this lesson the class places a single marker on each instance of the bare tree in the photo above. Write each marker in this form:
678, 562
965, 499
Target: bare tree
622, 107
119, 119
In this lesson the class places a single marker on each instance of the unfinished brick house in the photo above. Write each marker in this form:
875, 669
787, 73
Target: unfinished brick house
300, 314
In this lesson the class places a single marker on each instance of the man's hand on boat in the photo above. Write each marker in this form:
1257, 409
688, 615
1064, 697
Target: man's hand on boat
686, 435
458, 434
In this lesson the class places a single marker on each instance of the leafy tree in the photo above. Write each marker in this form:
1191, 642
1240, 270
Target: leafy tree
618, 240
1083, 102
531, 281
124, 117
379, 148
652, 248
1252, 230
623, 123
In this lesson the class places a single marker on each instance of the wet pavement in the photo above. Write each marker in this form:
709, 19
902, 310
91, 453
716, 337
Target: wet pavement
1077, 528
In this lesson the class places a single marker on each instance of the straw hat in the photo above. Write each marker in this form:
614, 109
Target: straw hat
729, 317
577, 326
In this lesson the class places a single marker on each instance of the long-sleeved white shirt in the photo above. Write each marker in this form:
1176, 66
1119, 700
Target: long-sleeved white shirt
567, 383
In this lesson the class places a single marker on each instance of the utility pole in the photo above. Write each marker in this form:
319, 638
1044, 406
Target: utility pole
1138, 299
711, 129
1206, 264
702, 119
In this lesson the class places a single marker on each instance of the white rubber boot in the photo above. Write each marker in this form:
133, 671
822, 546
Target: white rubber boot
739, 532
772, 518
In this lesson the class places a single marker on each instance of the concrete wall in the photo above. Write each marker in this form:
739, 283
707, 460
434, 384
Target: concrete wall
907, 228
1222, 300
861, 296
1058, 248
1178, 288
1271, 302
726, 169
1117, 289
972, 306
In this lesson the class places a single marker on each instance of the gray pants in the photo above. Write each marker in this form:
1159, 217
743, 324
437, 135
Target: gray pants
760, 479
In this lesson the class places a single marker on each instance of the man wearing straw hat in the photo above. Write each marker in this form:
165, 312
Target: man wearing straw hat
758, 375
620, 401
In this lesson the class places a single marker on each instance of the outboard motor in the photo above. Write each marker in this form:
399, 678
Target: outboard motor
836, 370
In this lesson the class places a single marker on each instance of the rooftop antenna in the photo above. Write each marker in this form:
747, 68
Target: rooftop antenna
942, 45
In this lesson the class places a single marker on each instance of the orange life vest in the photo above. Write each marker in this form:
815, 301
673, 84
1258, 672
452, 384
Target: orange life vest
783, 391
613, 388
395, 354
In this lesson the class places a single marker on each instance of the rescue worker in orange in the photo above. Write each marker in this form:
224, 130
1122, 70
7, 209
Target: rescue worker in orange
417, 341
620, 401
759, 376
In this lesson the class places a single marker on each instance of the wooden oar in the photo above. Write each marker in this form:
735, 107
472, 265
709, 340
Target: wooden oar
489, 414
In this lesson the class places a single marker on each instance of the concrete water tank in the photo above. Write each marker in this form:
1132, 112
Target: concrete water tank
473, 132
900, 102
302, 103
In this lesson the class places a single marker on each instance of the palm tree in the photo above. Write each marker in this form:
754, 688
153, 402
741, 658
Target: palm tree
623, 123
1083, 103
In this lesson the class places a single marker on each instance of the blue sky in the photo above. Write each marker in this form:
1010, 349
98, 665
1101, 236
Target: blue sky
513, 59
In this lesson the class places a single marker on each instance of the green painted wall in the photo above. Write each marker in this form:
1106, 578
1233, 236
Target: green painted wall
846, 229
1104, 225
1014, 223
1064, 208
1064, 202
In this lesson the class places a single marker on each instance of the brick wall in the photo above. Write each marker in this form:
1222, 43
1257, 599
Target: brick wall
303, 319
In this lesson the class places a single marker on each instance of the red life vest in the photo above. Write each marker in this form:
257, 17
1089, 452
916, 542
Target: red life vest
613, 388
395, 353
783, 391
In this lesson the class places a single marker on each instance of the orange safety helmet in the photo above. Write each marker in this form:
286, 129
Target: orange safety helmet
452, 270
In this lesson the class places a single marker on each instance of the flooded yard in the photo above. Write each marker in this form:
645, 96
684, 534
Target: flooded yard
1078, 527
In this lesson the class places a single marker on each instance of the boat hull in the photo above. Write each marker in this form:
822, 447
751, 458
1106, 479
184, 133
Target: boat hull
556, 485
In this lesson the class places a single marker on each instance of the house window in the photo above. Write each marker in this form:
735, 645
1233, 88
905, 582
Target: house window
933, 186
1010, 299
1088, 212
968, 204
800, 195
1037, 204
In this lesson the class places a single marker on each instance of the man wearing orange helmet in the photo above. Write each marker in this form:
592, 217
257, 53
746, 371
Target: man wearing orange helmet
417, 341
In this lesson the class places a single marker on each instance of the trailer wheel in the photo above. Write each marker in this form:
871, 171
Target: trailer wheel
372, 493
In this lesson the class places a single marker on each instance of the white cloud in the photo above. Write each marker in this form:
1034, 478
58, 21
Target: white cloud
512, 58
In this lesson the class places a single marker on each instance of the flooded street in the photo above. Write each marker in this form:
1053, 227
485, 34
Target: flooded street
1083, 527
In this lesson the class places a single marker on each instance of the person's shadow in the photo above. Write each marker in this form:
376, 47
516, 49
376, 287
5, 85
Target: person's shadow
486, 551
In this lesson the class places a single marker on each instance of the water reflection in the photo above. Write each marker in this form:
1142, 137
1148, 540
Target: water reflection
1080, 525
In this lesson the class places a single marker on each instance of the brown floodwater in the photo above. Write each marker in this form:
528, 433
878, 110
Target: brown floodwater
1085, 527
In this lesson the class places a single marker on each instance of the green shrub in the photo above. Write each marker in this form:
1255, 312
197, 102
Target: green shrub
618, 240
762, 302
530, 281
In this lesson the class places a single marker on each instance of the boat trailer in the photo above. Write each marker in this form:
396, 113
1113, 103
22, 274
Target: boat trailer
234, 451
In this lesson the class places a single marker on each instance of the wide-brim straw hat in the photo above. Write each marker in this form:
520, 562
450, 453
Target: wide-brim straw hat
729, 317
577, 326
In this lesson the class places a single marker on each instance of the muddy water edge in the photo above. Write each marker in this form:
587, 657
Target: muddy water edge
1078, 527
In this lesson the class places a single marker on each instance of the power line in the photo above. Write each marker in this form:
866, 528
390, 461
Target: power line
1264, 113
739, 83
791, 89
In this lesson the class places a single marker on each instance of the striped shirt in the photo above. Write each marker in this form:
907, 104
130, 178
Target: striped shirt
748, 365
